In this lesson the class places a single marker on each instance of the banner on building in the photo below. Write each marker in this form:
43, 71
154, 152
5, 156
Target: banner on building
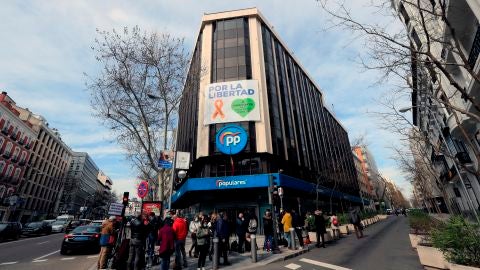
182, 160
234, 101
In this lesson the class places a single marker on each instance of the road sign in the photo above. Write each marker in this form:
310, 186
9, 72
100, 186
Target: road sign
115, 209
142, 189
165, 164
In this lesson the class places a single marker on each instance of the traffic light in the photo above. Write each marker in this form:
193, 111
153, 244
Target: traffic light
125, 198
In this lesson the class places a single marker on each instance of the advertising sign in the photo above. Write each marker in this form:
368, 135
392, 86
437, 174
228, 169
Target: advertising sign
234, 101
182, 160
231, 139
142, 189
152, 206
115, 209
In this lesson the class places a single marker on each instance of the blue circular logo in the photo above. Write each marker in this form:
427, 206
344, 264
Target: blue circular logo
231, 139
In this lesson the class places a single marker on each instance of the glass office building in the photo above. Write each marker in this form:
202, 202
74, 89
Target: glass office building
243, 75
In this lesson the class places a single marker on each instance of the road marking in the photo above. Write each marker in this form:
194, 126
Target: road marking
293, 266
67, 259
93, 256
27, 239
8, 263
327, 265
44, 260
46, 255
42, 242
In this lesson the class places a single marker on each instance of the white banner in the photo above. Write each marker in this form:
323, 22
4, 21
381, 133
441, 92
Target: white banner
115, 209
182, 160
233, 101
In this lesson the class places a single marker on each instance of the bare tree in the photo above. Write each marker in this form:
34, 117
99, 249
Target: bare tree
137, 92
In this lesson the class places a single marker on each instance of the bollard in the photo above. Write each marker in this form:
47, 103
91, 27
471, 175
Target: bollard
292, 238
253, 247
215, 253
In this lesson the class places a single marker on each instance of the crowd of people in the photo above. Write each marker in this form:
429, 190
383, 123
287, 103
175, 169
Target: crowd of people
169, 235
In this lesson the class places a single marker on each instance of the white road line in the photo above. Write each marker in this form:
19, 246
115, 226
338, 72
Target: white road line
67, 259
293, 266
8, 263
93, 256
46, 255
42, 242
44, 260
27, 239
327, 265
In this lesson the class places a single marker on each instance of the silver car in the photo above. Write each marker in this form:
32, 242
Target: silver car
59, 226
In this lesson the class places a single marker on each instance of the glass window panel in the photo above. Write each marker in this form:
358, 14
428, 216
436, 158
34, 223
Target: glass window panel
220, 44
230, 24
232, 33
240, 32
220, 25
230, 52
241, 41
220, 53
220, 72
241, 60
231, 62
242, 71
241, 50
231, 72
220, 63
220, 35
231, 42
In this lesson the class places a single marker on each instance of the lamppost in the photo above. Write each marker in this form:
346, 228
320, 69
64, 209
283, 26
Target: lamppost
469, 199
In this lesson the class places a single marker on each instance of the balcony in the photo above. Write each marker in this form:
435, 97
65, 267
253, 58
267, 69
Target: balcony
463, 157
5, 131
7, 155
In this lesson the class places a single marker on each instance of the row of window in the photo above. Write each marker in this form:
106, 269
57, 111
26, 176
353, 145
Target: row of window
9, 171
15, 133
12, 152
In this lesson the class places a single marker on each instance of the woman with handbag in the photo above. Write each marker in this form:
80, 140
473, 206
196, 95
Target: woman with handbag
107, 241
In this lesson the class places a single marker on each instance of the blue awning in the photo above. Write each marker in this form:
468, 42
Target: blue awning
258, 181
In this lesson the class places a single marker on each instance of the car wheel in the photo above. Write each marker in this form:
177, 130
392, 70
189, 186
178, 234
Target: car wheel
17, 236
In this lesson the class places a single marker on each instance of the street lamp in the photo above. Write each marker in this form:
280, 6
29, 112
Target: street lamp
469, 199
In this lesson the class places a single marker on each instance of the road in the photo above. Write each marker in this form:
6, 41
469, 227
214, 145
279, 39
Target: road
42, 252
385, 247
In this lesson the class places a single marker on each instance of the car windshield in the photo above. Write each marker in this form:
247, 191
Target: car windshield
3, 226
87, 229
58, 223
34, 224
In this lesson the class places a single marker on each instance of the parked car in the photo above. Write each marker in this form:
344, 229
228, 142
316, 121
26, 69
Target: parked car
388, 211
81, 238
65, 218
50, 220
59, 226
10, 230
75, 223
39, 227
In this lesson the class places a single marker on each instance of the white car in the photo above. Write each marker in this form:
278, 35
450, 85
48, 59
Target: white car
59, 226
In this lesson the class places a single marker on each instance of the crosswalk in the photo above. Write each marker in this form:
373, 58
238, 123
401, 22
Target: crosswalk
305, 263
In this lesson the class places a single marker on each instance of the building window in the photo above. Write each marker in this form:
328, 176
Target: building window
416, 39
404, 13
9, 171
8, 149
2, 191
457, 192
16, 175
16, 152
2, 167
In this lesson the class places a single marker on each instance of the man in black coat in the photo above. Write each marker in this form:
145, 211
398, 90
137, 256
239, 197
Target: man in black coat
320, 227
297, 224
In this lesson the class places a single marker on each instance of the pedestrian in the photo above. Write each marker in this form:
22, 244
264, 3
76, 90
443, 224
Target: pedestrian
203, 239
355, 219
298, 225
181, 231
192, 228
334, 223
167, 239
287, 224
241, 231
268, 231
252, 228
107, 241
320, 227
152, 234
212, 225
223, 237
136, 254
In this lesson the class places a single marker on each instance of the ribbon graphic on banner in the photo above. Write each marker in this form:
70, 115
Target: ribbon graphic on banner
218, 109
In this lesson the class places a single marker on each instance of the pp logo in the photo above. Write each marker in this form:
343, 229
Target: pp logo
231, 139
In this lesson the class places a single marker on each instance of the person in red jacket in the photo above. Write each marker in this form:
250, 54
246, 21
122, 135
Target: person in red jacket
180, 229
166, 238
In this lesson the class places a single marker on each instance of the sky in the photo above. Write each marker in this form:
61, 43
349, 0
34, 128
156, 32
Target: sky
45, 50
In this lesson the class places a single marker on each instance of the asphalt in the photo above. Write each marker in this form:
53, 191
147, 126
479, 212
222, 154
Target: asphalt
42, 252
386, 246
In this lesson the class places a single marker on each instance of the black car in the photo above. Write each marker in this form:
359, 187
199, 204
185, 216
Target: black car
10, 230
81, 238
76, 223
39, 227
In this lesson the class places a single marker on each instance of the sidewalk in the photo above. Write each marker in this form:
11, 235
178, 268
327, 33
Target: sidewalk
244, 260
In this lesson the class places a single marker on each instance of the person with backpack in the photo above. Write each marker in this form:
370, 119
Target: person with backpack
203, 243
193, 227
138, 234
152, 234
355, 219
334, 223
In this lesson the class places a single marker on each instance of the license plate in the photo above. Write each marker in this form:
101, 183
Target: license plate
81, 238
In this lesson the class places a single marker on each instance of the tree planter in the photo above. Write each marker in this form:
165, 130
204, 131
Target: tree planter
415, 239
344, 229
462, 267
351, 228
432, 257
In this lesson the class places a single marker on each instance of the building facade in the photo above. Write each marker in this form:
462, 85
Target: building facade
444, 96
250, 111
81, 185
366, 190
46, 170
17, 138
